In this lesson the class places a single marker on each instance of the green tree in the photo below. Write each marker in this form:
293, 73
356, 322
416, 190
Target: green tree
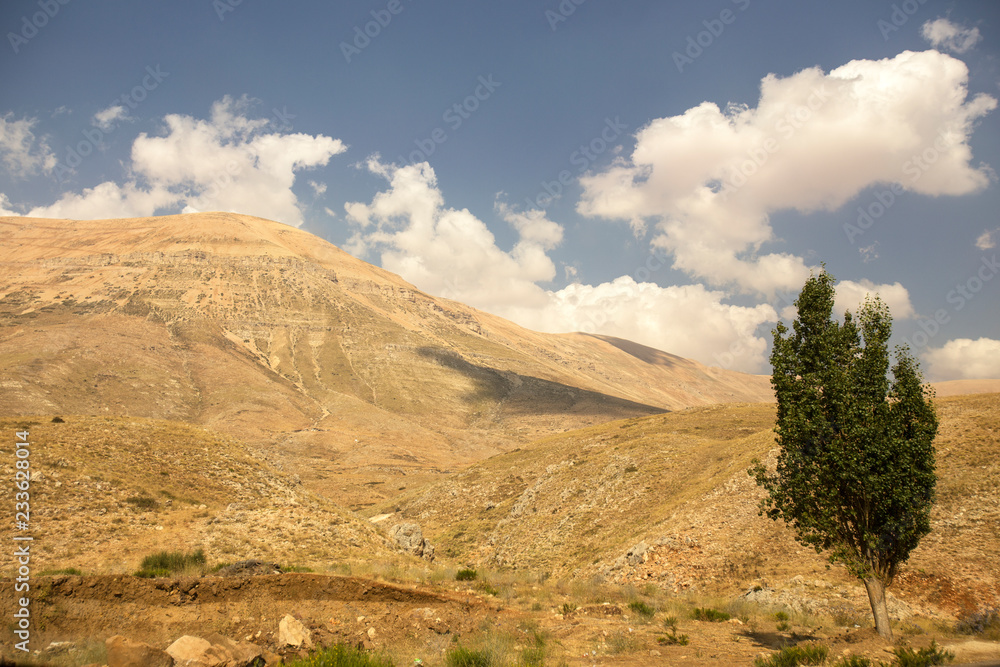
855, 471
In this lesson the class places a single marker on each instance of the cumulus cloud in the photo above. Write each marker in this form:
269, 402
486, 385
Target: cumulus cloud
23, 153
107, 119
964, 359
988, 239
452, 253
709, 178
943, 34
4, 203
318, 188
851, 295
229, 162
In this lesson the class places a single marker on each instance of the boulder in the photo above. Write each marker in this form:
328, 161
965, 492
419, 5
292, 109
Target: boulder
240, 654
410, 539
637, 554
189, 651
125, 653
291, 632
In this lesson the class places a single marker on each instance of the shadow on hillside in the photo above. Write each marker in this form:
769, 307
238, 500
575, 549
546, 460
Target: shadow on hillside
650, 355
771, 640
524, 394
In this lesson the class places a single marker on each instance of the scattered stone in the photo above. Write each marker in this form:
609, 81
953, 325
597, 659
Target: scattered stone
291, 632
125, 653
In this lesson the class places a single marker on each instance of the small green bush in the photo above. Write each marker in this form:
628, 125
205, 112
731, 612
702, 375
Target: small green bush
925, 657
568, 608
466, 575
792, 656
672, 638
781, 616
465, 657
342, 655
641, 608
708, 614
165, 563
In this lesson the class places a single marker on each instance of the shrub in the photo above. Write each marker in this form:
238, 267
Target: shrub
641, 608
781, 616
465, 575
464, 657
792, 656
983, 622
568, 608
708, 614
58, 420
925, 657
342, 655
164, 563
673, 638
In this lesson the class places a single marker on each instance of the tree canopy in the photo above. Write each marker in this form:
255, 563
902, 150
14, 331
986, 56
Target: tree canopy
855, 473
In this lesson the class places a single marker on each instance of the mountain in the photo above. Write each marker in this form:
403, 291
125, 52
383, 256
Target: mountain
264, 332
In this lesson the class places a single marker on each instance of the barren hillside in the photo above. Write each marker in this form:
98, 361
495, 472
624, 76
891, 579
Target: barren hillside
262, 331
676, 484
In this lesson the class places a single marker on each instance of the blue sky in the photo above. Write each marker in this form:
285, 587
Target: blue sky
665, 172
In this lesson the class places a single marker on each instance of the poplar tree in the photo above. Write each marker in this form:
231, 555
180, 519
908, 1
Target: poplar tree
855, 472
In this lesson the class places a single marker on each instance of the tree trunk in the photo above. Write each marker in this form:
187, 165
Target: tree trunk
876, 596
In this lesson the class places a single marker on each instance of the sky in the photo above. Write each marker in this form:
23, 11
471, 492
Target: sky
670, 173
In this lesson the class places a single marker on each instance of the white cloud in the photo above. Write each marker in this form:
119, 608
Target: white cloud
988, 239
318, 188
964, 359
449, 252
851, 294
452, 253
943, 34
4, 203
109, 200
107, 119
709, 178
23, 153
229, 162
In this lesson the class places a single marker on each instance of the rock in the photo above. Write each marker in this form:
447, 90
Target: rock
371, 633
637, 554
291, 632
241, 654
410, 539
189, 651
125, 653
